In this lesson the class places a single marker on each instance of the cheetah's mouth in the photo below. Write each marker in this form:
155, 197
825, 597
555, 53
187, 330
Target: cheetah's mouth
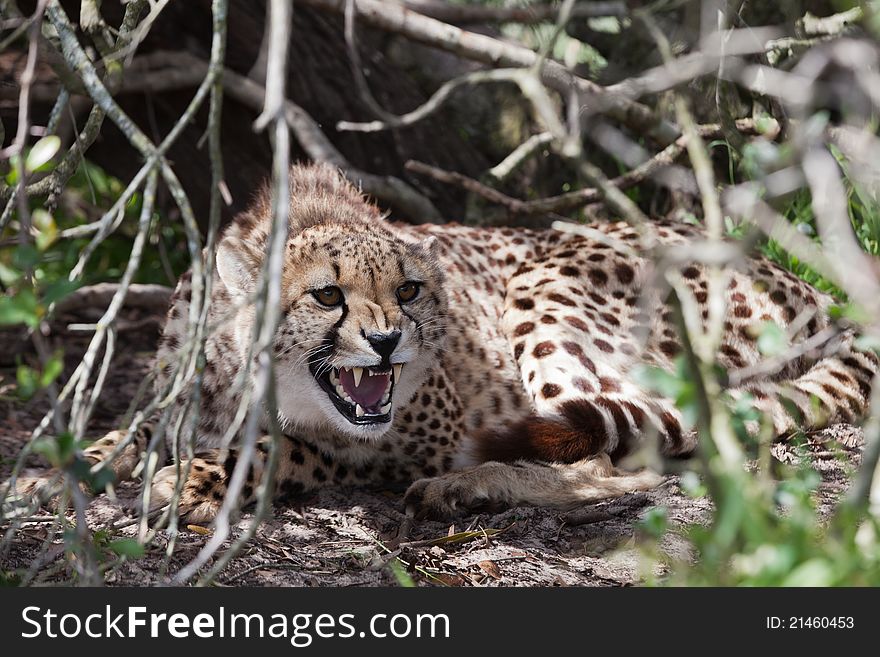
362, 394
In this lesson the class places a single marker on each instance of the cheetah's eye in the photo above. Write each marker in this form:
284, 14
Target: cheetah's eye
328, 296
408, 291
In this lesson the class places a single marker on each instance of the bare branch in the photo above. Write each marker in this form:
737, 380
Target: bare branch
582, 197
187, 70
519, 155
485, 49
535, 13
435, 102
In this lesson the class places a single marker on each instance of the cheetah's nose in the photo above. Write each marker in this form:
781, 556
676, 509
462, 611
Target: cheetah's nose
384, 344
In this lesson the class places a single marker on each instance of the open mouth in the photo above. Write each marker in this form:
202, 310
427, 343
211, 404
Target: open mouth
362, 394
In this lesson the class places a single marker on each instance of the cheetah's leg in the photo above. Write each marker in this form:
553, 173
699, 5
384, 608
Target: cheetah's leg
499, 485
42, 485
301, 468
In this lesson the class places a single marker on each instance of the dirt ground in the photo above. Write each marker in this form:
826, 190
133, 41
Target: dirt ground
345, 537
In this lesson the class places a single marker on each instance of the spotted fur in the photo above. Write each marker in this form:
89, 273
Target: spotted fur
518, 355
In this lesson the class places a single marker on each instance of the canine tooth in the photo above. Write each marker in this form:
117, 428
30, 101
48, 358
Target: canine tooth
385, 409
398, 367
359, 410
358, 373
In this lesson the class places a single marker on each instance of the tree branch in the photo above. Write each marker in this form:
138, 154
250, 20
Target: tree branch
579, 198
536, 13
183, 69
487, 50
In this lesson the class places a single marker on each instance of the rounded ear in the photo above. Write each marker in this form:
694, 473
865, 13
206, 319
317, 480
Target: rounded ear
238, 266
430, 245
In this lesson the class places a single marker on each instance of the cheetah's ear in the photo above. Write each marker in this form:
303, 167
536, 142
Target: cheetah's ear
431, 246
237, 265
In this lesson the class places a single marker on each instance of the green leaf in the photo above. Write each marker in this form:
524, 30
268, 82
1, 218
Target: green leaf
655, 522
47, 230
79, 469
42, 152
690, 483
745, 409
60, 451
25, 257
22, 308
9, 276
127, 547
764, 124
52, 370
659, 380
102, 478
67, 446
850, 311
403, 578
12, 176
772, 340
58, 290
98, 178
48, 449
28, 382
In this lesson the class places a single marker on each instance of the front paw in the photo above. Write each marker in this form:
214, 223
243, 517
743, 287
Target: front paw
33, 489
451, 495
202, 493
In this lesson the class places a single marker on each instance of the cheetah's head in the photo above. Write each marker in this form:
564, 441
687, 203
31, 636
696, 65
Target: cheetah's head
364, 308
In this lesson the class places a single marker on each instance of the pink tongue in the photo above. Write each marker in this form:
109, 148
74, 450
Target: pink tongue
371, 390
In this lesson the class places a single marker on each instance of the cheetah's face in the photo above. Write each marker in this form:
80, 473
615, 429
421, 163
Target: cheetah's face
364, 320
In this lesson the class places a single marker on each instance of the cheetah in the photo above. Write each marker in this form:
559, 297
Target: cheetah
478, 366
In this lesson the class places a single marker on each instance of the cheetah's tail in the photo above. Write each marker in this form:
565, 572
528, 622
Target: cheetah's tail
837, 388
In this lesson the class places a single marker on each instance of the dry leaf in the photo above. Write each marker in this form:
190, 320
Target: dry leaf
198, 529
490, 568
449, 579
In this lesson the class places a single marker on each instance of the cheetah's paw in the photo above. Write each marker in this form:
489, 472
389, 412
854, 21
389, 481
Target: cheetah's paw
201, 495
451, 495
33, 489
